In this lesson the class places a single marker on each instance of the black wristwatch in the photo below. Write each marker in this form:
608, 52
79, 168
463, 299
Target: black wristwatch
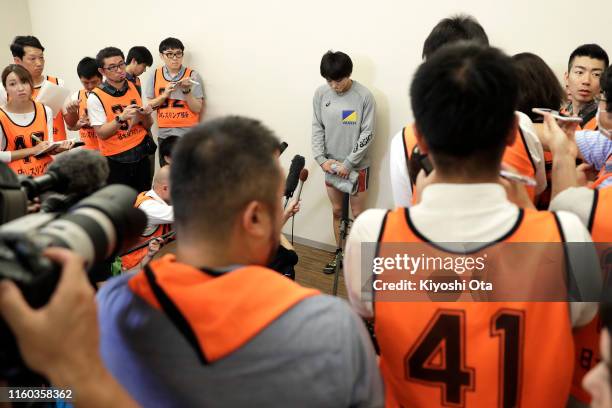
186, 91
119, 121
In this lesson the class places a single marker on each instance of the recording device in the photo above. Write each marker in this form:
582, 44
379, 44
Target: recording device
418, 161
508, 175
297, 164
555, 114
96, 228
282, 147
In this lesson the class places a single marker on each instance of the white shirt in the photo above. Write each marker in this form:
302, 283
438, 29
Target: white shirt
95, 110
451, 213
157, 210
23, 119
400, 181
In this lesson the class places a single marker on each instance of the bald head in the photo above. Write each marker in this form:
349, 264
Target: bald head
161, 183
162, 176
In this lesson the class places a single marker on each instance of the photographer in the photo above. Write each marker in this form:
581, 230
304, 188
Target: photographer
61, 339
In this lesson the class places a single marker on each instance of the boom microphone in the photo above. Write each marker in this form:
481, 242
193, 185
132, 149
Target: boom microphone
79, 173
297, 164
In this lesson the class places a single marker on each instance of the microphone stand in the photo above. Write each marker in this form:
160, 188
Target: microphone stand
344, 224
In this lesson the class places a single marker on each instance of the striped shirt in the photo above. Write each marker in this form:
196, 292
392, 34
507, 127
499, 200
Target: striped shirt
595, 149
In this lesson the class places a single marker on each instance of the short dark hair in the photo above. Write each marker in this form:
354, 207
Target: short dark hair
605, 82
336, 65
88, 68
22, 73
141, 54
166, 148
538, 85
463, 99
219, 167
22, 41
588, 50
171, 43
108, 52
461, 27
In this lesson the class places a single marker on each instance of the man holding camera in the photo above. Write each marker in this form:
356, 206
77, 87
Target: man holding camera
121, 123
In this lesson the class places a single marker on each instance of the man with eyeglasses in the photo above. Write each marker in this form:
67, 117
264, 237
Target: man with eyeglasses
176, 92
28, 52
585, 66
121, 123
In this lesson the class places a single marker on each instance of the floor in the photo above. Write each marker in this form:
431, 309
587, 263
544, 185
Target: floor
309, 270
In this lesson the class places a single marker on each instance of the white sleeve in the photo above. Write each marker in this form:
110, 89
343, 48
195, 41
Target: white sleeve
5, 156
95, 110
365, 229
577, 200
49, 123
398, 168
536, 151
587, 278
2, 95
157, 213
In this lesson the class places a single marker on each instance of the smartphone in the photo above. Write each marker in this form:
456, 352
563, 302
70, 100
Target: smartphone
508, 175
555, 114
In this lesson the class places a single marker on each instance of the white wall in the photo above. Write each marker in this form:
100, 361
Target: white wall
261, 58
14, 20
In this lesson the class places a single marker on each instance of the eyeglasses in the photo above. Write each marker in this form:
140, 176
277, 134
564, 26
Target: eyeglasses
173, 55
115, 68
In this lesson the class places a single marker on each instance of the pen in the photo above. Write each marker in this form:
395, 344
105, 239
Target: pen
517, 177
36, 138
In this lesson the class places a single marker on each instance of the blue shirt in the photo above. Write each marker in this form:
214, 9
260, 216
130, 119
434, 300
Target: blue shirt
595, 149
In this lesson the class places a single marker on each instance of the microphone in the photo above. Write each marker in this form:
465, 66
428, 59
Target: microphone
282, 147
303, 178
297, 164
79, 173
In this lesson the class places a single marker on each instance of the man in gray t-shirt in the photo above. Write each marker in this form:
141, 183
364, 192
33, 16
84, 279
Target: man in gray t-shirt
176, 92
342, 133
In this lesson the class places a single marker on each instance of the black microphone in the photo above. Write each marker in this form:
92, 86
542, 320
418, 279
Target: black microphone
297, 164
79, 173
282, 147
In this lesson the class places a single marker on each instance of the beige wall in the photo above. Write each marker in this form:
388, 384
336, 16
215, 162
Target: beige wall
14, 20
262, 58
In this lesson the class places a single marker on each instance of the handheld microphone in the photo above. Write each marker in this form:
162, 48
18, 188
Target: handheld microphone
303, 178
282, 147
297, 164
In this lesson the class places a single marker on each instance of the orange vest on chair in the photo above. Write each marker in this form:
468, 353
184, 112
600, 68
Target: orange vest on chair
469, 354
132, 259
21, 137
586, 339
123, 140
59, 128
87, 134
173, 112
217, 314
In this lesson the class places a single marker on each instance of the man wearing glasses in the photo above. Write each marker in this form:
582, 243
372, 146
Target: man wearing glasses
121, 123
176, 92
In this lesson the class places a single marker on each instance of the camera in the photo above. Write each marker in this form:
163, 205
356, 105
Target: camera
97, 228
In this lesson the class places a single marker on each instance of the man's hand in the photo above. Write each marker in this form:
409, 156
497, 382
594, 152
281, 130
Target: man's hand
82, 122
169, 89
184, 84
61, 338
585, 174
559, 139
72, 107
40, 147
